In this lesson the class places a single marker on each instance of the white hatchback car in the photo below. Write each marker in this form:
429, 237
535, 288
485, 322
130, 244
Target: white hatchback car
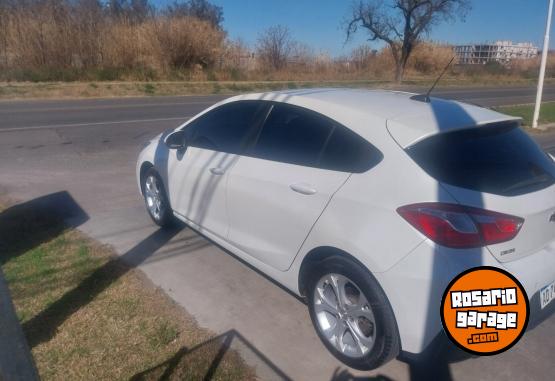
367, 203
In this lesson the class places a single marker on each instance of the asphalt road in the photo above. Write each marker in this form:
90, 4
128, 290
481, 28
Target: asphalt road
88, 148
119, 112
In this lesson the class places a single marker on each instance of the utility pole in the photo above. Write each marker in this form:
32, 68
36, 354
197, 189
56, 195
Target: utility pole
542, 67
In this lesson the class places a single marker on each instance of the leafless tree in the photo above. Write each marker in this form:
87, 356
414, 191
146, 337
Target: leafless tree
361, 56
274, 46
201, 9
135, 11
401, 23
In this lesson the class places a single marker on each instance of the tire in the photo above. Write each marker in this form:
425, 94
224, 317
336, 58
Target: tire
156, 199
378, 337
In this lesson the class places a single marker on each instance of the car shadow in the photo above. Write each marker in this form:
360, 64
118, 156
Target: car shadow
23, 227
43, 326
217, 348
340, 374
27, 225
42, 220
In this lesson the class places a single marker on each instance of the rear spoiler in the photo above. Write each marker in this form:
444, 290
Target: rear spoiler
406, 136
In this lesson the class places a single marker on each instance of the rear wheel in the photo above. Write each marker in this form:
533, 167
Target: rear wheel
351, 314
156, 199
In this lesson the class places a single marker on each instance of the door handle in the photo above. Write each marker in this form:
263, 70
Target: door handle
303, 188
217, 171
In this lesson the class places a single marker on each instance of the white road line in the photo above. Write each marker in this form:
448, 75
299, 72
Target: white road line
103, 107
50, 126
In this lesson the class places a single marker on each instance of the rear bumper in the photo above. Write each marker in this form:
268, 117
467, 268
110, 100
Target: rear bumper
416, 284
534, 272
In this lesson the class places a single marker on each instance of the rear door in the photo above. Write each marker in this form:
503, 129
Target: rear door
500, 168
279, 188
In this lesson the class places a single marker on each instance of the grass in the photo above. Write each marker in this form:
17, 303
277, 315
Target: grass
129, 329
149, 89
26, 90
526, 112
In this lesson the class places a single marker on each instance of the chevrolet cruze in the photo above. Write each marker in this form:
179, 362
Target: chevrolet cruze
366, 203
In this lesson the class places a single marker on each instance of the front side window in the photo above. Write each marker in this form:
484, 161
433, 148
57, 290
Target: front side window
292, 135
224, 129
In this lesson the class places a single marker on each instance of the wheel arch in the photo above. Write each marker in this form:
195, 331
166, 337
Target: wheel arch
145, 166
317, 255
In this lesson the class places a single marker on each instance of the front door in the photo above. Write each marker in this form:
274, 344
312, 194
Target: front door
198, 173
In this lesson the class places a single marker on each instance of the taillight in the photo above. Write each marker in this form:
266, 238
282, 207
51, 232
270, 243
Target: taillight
458, 226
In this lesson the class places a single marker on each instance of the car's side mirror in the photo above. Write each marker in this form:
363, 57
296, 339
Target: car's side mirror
175, 140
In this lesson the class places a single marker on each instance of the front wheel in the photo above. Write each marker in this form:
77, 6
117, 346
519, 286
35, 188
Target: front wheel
156, 199
351, 314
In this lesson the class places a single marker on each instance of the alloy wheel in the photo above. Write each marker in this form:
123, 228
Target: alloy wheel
344, 315
153, 197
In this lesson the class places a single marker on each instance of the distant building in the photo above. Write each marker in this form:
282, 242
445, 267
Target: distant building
500, 51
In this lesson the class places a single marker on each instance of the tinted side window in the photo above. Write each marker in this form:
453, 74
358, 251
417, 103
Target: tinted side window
348, 152
292, 135
225, 128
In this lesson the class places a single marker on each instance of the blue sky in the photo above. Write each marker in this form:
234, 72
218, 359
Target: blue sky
318, 22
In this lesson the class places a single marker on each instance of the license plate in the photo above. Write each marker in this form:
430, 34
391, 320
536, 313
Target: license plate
547, 294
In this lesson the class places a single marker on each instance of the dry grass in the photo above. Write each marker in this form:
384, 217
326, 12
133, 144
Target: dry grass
63, 40
60, 90
127, 328
66, 40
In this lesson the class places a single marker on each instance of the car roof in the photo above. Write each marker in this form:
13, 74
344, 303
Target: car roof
408, 117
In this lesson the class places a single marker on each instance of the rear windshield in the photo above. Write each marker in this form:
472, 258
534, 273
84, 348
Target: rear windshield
499, 159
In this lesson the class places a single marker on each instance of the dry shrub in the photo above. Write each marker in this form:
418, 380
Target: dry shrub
39, 36
429, 58
361, 57
62, 36
124, 45
372, 63
235, 62
529, 68
383, 65
186, 41
45, 40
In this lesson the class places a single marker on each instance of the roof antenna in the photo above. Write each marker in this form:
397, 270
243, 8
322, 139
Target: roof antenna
427, 96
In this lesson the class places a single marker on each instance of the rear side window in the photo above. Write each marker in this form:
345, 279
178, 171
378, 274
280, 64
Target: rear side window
502, 160
292, 135
224, 129
295, 135
346, 151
